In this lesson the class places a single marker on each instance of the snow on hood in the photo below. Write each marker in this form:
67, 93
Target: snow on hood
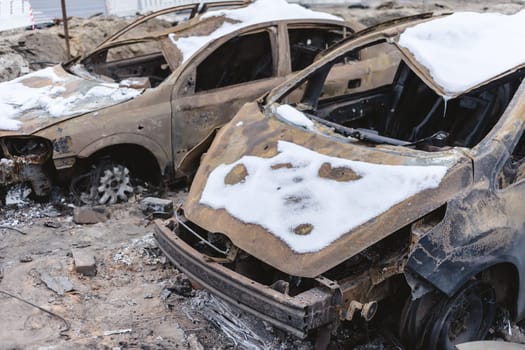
51, 92
257, 12
465, 49
308, 199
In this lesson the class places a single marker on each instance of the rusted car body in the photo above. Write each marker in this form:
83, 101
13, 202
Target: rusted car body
455, 244
147, 110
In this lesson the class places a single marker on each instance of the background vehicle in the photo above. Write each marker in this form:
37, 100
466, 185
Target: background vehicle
145, 111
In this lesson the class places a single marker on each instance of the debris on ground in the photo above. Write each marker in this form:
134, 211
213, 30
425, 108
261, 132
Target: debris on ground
118, 331
90, 215
181, 286
157, 207
84, 260
18, 195
243, 330
26, 259
59, 285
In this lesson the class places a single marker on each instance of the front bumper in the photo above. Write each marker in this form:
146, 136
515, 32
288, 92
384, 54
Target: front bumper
297, 315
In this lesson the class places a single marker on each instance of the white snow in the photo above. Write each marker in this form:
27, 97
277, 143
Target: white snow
294, 116
12, 22
257, 12
282, 198
465, 49
16, 98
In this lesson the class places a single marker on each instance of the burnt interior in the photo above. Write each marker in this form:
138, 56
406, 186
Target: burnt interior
125, 64
241, 59
307, 43
411, 111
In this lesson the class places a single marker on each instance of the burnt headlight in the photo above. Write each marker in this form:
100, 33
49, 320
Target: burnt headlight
31, 148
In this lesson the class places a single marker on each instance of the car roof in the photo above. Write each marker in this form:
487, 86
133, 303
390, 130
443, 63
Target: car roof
199, 31
391, 31
465, 50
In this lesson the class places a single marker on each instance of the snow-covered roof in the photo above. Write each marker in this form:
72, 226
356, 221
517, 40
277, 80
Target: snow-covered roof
466, 49
46, 94
257, 12
308, 199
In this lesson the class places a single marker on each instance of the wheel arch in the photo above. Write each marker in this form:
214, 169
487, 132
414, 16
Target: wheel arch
121, 142
141, 161
503, 273
504, 277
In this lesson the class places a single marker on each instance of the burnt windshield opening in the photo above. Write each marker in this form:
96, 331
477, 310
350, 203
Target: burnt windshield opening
136, 64
390, 104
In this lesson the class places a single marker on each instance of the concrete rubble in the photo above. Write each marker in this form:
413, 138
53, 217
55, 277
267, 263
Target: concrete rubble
59, 284
157, 207
84, 260
90, 215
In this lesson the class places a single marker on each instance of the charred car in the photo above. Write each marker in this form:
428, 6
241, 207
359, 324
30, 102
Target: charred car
141, 100
400, 182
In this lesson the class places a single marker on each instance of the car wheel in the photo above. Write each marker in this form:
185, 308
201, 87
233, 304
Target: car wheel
437, 322
114, 185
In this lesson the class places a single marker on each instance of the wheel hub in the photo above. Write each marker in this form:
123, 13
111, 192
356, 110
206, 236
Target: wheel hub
114, 185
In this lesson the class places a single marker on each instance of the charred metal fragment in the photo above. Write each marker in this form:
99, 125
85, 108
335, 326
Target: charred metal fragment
23, 160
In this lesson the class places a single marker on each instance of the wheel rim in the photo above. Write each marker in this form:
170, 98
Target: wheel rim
465, 320
436, 322
114, 185
465, 317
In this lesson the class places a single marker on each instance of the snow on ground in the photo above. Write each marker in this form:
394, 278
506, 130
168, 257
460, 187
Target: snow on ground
258, 12
286, 194
294, 116
465, 49
52, 99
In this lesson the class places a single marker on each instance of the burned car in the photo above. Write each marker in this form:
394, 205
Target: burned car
327, 201
141, 100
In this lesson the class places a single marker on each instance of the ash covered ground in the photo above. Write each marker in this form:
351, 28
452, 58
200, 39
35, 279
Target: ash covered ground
137, 300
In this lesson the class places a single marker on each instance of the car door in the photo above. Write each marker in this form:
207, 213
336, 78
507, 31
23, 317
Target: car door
225, 77
360, 71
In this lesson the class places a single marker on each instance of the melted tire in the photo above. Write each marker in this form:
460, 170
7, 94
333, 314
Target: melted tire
436, 322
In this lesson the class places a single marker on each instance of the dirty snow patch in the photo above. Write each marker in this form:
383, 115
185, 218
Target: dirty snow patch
294, 116
286, 191
18, 195
52, 99
258, 12
465, 49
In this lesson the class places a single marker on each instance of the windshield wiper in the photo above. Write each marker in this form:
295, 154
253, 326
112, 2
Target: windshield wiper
361, 134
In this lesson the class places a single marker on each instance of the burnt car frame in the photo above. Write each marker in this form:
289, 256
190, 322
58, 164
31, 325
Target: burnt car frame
451, 251
180, 103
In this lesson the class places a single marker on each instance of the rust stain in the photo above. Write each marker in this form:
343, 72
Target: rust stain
339, 174
236, 175
303, 229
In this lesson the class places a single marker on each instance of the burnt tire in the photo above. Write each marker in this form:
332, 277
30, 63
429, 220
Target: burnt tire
437, 322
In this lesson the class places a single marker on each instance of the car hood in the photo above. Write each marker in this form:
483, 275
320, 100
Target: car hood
47, 96
304, 201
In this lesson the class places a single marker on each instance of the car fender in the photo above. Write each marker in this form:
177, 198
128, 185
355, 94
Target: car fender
447, 270
153, 147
